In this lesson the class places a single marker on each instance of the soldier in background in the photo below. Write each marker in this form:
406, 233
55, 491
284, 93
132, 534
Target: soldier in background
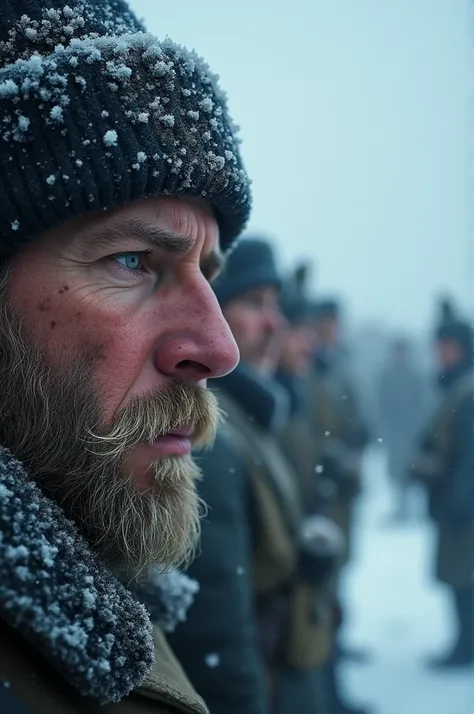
217, 643
290, 551
336, 414
305, 452
444, 463
447, 312
341, 434
401, 402
296, 354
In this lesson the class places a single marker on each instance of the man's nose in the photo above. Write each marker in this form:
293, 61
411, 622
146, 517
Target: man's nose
200, 345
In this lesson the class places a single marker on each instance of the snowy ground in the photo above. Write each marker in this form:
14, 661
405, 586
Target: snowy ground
397, 612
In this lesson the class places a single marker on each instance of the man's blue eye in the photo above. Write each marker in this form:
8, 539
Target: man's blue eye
131, 261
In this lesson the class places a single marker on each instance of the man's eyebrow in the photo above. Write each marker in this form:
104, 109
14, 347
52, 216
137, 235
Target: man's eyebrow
107, 238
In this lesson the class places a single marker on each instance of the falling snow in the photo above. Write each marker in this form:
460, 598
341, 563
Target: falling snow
212, 660
397, 610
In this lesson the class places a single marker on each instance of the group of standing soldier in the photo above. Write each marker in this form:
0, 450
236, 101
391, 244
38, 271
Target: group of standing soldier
429, 440
280, 485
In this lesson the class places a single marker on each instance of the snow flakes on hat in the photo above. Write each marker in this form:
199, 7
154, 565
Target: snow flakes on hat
38, 72
144, 97
56, 26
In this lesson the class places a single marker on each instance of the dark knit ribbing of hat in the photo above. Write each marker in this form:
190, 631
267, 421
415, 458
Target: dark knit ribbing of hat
95, 113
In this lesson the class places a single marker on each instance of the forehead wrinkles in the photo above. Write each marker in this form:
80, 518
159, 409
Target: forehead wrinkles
190, 219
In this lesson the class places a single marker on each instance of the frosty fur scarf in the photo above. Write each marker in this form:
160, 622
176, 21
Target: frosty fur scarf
55, 591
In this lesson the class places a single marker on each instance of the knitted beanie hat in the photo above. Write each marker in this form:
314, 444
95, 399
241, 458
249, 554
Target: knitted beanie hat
251, 264
94, 112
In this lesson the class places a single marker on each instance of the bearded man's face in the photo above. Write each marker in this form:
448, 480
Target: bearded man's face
108, 333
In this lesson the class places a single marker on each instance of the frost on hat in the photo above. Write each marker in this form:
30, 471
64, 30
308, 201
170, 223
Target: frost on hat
94, 112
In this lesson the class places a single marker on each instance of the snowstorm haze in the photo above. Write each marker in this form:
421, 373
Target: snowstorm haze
355, 120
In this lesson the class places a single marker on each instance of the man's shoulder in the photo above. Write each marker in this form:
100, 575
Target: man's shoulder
167, 684
29, 684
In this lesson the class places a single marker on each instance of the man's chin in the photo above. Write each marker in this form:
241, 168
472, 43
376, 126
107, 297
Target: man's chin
149, 468
145, 480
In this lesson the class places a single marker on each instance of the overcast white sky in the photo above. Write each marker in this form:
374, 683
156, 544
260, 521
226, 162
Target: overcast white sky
355, 125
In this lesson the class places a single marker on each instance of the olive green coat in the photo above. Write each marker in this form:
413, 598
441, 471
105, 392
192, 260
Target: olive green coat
448, 443
32, 681
278, 504
336, 425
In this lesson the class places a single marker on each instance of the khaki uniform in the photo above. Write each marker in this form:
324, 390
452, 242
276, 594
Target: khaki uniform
336, 427
303, 453
279, 512
445, 465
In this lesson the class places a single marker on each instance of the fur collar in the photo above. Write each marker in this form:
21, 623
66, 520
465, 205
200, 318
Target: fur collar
167, 597
57, 594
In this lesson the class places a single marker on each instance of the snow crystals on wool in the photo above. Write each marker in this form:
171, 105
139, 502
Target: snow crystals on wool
63, 32
110, 138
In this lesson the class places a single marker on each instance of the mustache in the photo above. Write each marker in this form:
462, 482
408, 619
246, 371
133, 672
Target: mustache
178, 406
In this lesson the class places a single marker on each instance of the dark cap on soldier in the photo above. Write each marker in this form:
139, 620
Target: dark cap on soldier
294, 305
251, 264
459, 332
326, 308
95, 112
